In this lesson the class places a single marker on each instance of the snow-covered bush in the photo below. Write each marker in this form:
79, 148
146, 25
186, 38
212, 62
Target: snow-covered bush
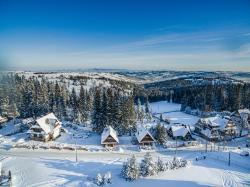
148, 166
161, 166
107, 178
177, 163
99, 180
130, 169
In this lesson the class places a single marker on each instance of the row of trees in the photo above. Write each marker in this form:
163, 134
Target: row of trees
132, 170
207, 96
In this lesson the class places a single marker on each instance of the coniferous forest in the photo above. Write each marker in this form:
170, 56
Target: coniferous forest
32, 97
118, 105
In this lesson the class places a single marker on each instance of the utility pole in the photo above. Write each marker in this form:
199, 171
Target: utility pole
76, 151
73, 138
206, 146
175, 146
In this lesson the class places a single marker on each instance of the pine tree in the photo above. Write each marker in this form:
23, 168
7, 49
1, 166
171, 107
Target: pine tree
104, 110
74, 105
110, 107
96, 113
147, 106
161, 166
5, 106
148, 166
82, 105
130, 169
160, 134
140, 111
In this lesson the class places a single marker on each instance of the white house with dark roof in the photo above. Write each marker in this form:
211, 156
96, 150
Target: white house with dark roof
109, 137
180, 132
143, 136
45, 128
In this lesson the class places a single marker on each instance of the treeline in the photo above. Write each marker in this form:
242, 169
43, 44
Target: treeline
228, 96
33, 97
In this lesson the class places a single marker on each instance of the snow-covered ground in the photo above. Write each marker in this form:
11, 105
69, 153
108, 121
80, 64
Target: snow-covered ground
164, 107
50, 168
53, 167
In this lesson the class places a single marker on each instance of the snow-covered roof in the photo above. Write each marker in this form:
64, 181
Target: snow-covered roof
3, 119
47, 123
142, 132
216, 121
27, 120
207, 133
109, 131
179, 131
245, 110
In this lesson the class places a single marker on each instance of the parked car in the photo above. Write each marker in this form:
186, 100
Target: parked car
244, 153
248, 143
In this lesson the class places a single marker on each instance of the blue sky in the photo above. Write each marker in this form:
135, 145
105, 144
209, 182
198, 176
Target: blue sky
131, 34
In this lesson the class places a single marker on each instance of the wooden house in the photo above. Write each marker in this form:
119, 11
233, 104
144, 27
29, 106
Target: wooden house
144, 137
216, 128
109, 137
45, 128
240, 116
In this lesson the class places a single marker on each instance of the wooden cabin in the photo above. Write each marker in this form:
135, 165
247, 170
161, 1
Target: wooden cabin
109, 137
144, 137
45, 128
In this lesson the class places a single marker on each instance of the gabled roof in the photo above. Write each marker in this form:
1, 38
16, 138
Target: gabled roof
142, 132
216, 121
179, 131
47, 123
109, 131
245, 110
28, 120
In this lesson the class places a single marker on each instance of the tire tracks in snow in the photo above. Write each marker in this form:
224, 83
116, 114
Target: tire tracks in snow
229, 179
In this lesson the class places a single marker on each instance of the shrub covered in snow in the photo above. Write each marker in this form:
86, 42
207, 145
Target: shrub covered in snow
148, 166
130, 169
177, 163
107, 178
99, 180
161, 166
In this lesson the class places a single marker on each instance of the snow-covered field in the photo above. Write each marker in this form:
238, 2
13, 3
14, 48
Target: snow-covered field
52, 167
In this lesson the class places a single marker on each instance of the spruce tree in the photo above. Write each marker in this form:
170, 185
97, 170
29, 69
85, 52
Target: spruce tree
96, 113
82, 105
160, 134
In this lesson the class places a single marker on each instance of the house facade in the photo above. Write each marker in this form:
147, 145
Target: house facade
109, 137
144, 137
45, 128
181, 132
